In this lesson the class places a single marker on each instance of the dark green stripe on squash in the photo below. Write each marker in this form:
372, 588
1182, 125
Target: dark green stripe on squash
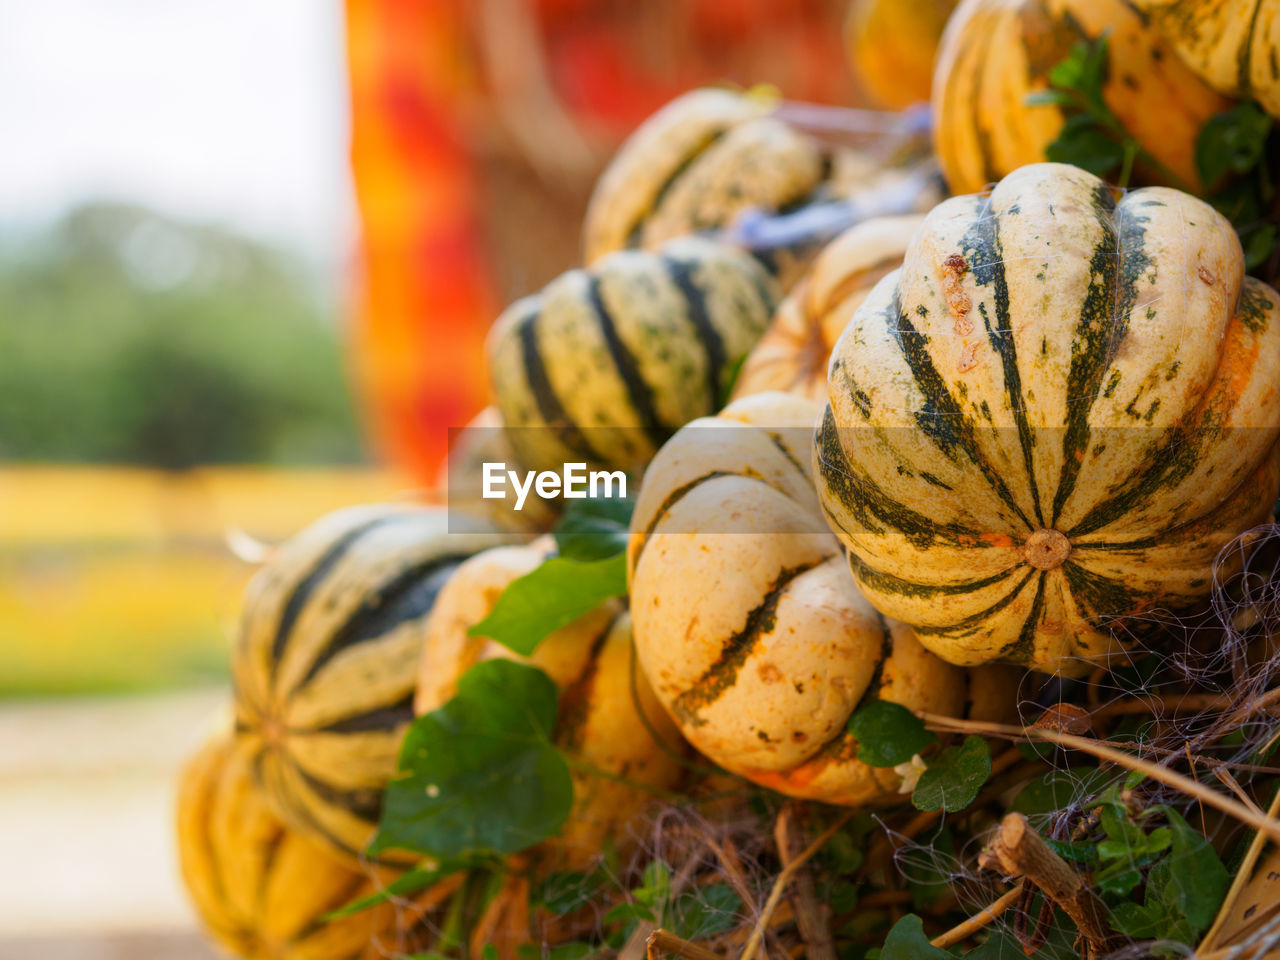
681, 273
941, 419
722, 674
307, 585
409, 595
639, 393
385, 719
985, 258
544, 395
1101, 328
873, 508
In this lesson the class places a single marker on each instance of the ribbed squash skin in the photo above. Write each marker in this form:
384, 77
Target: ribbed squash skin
604, 364
590, 660
1233, 45
261, 889
892, 45
326, 661
755, 637
793, 353
1055, 414
693, 166
995, 52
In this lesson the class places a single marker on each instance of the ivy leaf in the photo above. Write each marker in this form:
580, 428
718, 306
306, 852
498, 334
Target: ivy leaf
954, 776
1075, 850
930, 880
1084, 71
593, 529
1119, 877
1258, 245
1195, 881
907, 941
480, 774
1140, 921
565, 891
552, 596
1232, 142
1058, 789
1084, 143
888, 733
706, 911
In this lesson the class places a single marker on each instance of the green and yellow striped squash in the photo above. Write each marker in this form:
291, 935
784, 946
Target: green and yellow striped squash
261, 889
996, 52
754, 635
892, 46
1233, 45
326, 661
1053, 416
793, 353
604, 364
619, 753
693, 166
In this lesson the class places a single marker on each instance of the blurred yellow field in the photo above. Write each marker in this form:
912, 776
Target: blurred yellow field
127, 579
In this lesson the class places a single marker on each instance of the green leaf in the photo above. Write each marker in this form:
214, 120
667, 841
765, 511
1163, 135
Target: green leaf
907, 941
1084, 143
1197, 880
419, 878
552, 596
565, 891
929, 877
1058, 789
1075, 850
1140, 921
954, 776
593, 529
1119, 877
1258, 245
1233, 142
630, 913
1084, 71
655, 887
706, 911
480, 774
888, 733
729, 379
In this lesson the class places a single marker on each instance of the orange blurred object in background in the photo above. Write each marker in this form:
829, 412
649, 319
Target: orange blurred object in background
478, 129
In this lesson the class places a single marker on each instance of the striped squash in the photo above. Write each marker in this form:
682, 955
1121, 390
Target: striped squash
1233, 45
694, 165
746, 619
326, 661
995, 52
1054, 415
604, 364
591, 662
793, 353
261, 890
891, 48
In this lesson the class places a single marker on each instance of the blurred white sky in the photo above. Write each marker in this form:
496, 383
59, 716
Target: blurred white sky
226, 110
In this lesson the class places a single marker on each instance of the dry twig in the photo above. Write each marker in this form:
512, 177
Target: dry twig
979, 920
1018, 851
780, 885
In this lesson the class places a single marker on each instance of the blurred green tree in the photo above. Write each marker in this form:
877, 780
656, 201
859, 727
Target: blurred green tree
131, 337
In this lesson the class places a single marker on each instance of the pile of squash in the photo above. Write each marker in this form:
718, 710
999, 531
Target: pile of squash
914, 459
